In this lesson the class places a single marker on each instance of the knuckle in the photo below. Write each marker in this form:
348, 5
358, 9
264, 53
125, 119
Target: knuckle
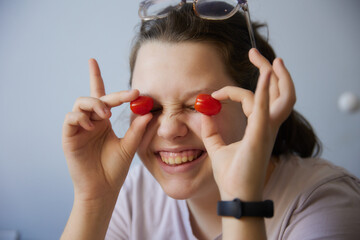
99, 103
72, 117
228, 88
87, 104
94, 101
78, 102
265, 69
82, 117
248, 92
68, 116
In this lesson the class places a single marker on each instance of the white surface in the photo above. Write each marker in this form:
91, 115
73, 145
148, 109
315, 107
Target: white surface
348, 102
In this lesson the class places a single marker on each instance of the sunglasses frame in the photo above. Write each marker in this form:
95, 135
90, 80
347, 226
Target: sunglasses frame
241, 4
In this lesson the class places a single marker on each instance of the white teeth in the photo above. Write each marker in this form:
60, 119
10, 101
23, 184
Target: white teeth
170, 158
178, 160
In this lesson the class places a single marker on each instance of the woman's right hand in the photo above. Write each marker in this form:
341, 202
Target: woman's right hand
98, 160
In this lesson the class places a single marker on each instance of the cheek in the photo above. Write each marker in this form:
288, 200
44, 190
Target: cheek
231, 123
146, 133
147, 138
193, 122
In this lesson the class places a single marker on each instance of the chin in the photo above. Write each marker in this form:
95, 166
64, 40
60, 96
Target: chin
184, 181
178, 192
188, 188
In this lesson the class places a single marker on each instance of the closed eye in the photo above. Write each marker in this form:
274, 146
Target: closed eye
156, 110
191, 108
159, 109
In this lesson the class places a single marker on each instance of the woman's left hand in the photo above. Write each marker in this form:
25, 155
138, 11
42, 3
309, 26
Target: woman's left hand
240, 168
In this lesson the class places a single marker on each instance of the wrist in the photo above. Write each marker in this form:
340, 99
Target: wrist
92, 205
89, 219
239, 209
248, 191
244, 218
243, 194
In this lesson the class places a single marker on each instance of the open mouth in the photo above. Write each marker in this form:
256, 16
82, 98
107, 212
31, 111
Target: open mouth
177, 158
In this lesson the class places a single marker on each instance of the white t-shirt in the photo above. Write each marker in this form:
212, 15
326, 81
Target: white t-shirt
313, 199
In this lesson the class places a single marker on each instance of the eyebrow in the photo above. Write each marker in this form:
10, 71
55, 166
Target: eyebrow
195, 92
190, 94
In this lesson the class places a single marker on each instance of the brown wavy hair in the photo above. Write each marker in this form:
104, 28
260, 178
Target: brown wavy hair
231, 38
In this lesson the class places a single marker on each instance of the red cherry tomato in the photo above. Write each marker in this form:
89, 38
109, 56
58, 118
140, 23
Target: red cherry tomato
142, 105
207, 105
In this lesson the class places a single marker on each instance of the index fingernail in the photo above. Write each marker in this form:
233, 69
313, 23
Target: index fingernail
282, 62
255, 50
213, 94
132, 90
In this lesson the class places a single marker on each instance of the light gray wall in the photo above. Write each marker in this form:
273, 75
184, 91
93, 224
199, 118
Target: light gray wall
44, 48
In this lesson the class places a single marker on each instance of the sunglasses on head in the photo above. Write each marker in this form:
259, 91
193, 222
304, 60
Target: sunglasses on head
206, 9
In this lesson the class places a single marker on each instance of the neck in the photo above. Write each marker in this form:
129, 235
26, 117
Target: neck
205, 222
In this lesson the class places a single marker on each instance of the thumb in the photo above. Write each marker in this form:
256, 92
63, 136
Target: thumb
134, 134
210, 136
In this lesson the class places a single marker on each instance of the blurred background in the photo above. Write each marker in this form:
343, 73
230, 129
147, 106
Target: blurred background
44, 50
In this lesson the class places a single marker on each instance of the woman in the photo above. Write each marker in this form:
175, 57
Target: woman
254, 149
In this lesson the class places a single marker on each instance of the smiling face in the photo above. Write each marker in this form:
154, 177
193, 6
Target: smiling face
173, 74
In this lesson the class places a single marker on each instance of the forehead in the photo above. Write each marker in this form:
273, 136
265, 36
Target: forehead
177, 68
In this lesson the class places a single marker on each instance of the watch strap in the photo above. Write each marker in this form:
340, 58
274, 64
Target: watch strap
238, 209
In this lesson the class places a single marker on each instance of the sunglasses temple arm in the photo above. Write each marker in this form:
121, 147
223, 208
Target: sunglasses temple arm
245, 8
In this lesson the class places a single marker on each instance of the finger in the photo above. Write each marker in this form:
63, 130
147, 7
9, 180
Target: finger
284, 104
262, 94
134, 134
75, 120
259, 120
245, 97
264, 65
91, 106
117, 98
286, 85
97, 88
210, 136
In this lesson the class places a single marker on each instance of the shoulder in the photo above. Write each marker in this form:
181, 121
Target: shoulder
317, 177
304, 174
300, 180
315, 197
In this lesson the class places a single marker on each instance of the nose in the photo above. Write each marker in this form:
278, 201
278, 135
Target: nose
172, 127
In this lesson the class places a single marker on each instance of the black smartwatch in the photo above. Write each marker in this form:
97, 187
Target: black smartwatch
238, 209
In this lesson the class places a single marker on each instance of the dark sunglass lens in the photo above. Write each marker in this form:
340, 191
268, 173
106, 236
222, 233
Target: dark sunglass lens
212, 8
